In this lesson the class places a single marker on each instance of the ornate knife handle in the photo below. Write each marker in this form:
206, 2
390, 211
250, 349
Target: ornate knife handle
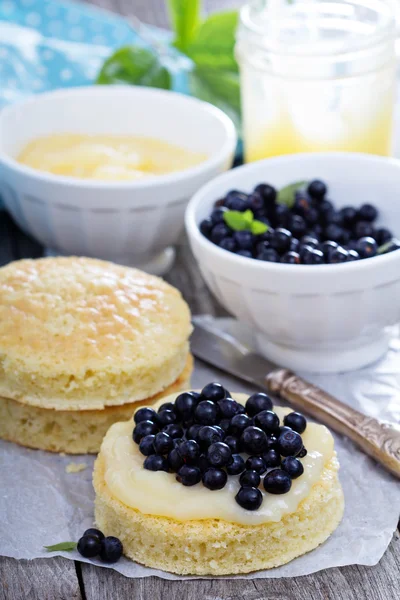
379, 439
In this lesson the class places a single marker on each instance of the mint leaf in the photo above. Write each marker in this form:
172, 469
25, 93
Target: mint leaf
236, 220
135, 66
287, 194
258, 227
220, 88
248, 218
65, 546
185, 18
213, 45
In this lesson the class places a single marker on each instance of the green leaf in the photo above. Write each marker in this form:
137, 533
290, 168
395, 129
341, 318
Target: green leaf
135, 66
185, 18
236, 220
287, 194
248, 218
213, 45
65, 546
220, 88
258, 227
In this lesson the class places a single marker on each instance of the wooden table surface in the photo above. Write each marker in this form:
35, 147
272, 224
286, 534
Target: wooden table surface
61, 579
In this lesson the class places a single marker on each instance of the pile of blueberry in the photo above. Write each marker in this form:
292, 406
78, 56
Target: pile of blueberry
208, 436
311, 232
94, 543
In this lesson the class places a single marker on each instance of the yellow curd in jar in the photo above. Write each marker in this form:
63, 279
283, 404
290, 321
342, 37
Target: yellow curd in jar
107, 157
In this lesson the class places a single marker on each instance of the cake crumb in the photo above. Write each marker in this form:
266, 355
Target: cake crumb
75, 467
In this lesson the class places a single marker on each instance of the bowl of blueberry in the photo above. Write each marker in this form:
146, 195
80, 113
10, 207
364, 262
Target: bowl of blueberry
304, 248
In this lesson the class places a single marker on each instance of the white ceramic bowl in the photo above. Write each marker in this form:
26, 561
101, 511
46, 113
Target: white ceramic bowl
319, 318
127, 222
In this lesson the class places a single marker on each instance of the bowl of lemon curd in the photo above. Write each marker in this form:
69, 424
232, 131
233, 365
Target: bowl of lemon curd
107, 172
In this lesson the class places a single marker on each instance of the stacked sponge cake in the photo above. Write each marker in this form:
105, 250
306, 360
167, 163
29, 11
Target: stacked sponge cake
82, 342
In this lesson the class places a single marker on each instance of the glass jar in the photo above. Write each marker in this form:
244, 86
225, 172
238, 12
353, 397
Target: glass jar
317, 75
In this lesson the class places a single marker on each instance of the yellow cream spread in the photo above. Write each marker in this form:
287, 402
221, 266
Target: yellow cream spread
158, 493
108, 157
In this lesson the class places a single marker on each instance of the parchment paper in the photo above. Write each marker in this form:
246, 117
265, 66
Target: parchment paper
41, 504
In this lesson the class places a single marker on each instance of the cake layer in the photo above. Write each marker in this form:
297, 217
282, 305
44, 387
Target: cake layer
82, 334
72, 432
214, 546
158, 493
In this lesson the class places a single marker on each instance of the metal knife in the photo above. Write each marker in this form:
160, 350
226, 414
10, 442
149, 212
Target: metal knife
378, 439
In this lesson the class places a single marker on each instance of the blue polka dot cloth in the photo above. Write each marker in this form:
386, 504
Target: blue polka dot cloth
47, 44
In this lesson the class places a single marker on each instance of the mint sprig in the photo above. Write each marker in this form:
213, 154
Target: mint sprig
244, 221
62, 546
287, 194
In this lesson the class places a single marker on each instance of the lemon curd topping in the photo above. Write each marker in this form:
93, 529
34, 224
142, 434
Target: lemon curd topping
158, 493
106, 157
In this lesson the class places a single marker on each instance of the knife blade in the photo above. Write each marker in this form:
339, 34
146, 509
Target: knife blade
378, 439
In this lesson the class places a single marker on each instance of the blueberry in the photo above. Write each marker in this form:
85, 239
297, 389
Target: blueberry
289, 443
166, 417
295, 421
208, 435
111, 549
219, 232
258, 402
312, 217
250, 479
334, 232
237, 465
219, 454
363, 229
238, 424
237, 202
293, 467
268, 255
214, 479
267, 192
281, 215
155, 462
327, 247
245, 253
220, 202
228, 243
163, 443
367, 247
367, 212
233, 193
175, 460
272, 440
249, 498
213, 391
166, 406
185, 404
232, 442
146, 445
317, 189
297, 226
224, 424
256, 202
352, 255
308, 240
193, 432
326, 211
268, 421
205, 227
217, 215
188, 475
206, 412
304, 251
96, 532
178, 441
144, 428
338, 255
253, 440
190, 452
244, 240
256, 463
294, 245
291, 258
89, 546
314, 257
317, 231
302, 453
219, 430
349, 216
228, 408
272, 458
277, 482
302, 204
145, 414
281, 239
173, 430
203, 463
382, 236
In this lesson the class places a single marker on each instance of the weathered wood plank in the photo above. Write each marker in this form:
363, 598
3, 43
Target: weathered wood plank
349, 583
42, 579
